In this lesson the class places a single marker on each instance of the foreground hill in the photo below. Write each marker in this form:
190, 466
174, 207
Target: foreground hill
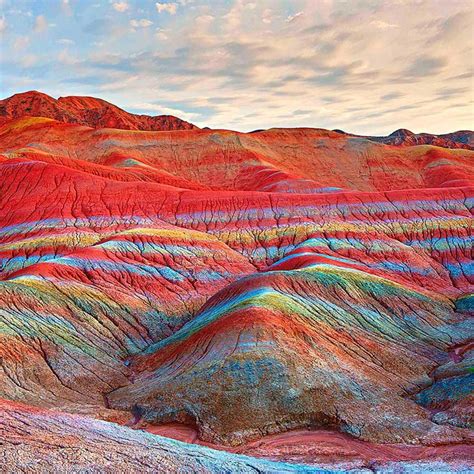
34, 440
96, 113
238, 284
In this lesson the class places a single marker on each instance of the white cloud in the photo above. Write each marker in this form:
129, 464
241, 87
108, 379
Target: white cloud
66, 7
66, 41
205, 19
3, 24
383, 25
166, 7
163, 110
243, 70
161, 34
291, 18
40, 24
121, 6
143, 23
267, 16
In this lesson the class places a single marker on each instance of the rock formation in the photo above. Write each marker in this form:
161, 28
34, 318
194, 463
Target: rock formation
90, 111
242, 284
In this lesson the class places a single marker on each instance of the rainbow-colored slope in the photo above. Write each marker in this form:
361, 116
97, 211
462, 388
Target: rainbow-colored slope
244, 284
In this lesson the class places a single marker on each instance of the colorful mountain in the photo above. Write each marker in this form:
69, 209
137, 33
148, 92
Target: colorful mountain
241, 285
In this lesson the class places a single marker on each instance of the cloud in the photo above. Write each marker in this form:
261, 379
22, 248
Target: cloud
28, 60
66, 7
451, 28
3, 24
302, 112
205, 19
446, 92
161, 34
267, 16
391, 96
21, 42
291, 18
121, 6
166, 7
66, 41
426, 66
383, 25
41, 24
142, 23
163, 110
237, 64
65, 57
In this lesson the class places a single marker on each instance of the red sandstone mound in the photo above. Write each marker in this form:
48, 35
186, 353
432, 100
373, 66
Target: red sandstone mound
90, 111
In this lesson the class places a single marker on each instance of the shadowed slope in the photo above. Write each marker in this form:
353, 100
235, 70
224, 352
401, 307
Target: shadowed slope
33, 440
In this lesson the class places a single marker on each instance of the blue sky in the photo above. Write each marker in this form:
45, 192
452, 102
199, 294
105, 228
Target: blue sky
362, 66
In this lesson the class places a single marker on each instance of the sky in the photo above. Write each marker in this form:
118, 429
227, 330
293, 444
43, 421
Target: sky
366, 67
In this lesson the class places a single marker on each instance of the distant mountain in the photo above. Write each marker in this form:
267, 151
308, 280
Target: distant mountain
404, 137
98, 113
95, 113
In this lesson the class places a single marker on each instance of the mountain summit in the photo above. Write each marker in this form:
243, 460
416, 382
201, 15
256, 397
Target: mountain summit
89, 111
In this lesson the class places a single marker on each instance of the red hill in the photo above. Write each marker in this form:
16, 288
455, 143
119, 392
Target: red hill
90, 111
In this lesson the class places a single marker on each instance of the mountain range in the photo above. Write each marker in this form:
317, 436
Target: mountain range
298, 294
